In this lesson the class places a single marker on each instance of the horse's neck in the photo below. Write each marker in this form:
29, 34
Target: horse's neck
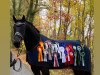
30, 39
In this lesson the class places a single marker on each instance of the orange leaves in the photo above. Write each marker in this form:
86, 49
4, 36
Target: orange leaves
66, 16
53, 16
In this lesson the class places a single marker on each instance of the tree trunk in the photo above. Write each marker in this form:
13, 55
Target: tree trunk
32, 10
78, 26
67, 23
19, 7
13, 13
90, 27
83, 21
59, 30
14, 7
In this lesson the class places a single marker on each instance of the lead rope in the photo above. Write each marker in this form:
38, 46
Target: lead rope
14, 61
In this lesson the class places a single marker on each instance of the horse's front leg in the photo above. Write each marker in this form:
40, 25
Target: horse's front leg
81, 72
45, 69
35, 70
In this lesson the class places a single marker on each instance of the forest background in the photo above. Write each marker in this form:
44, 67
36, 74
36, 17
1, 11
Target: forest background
58, 19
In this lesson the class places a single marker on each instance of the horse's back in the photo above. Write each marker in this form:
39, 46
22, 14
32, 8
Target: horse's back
64, 43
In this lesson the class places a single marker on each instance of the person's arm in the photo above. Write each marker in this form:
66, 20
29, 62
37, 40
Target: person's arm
13, 62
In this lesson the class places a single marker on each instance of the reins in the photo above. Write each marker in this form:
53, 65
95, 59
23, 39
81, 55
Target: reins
15, 60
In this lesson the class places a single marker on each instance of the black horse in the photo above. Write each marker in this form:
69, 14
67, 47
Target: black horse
24, 30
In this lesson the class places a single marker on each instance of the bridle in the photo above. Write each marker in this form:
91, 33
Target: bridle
18, 34
19, 51
18, 54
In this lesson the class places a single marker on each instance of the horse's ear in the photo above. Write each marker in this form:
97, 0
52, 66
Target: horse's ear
23, 18
14, 18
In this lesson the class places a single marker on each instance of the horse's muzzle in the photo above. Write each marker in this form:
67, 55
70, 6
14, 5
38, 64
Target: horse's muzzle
17, 41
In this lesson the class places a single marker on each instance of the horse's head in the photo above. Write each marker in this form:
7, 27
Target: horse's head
19, 30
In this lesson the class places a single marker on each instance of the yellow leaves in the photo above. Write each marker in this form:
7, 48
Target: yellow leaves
23, 48
78, 23
81, 8
65, 3
37, 20
72, 3
37, 17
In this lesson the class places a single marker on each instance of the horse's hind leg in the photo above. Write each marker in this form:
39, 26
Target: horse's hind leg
35, 70
81, 72
86, 72
77, 72
45, 69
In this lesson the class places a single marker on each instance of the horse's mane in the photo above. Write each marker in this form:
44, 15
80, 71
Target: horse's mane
31, 24
43, 37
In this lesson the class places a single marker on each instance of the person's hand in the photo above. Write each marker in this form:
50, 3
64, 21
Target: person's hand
16, 58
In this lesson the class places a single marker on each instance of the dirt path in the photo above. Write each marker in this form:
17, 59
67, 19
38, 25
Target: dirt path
24, 71
27, 71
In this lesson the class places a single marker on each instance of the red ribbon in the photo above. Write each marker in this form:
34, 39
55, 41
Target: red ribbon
56, 64
70, 55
